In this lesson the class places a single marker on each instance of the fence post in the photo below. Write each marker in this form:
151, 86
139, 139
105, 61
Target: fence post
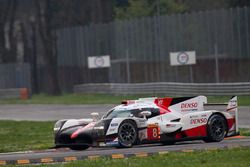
191, 73
127, 66
217, 75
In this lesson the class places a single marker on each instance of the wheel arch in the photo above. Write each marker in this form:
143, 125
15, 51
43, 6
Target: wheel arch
223, 116
132, 120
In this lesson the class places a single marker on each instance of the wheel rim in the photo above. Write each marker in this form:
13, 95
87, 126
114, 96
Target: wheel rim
217, 128
127, 133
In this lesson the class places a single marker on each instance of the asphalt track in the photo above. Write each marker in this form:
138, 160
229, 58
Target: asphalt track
56, 112
64, 155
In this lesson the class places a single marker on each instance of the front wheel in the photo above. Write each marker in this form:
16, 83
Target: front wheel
127, 134
79, 147
216, 128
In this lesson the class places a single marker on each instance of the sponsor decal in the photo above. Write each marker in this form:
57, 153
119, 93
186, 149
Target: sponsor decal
171, 125
112, 143
186, 107
233, 103
189, 105
160, 102
198, 121
114, 124
142, 124
112, 129
153, 132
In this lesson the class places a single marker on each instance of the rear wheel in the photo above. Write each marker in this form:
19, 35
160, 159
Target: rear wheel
216, 128
170, 142
127, 134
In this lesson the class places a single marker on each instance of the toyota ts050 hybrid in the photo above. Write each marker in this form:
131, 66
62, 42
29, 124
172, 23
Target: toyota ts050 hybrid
150, 120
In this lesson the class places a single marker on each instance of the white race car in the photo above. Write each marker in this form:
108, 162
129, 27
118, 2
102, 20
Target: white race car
150, 120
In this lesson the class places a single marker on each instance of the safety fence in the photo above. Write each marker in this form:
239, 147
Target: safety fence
15, 76
139, 52
139, 49
167, 88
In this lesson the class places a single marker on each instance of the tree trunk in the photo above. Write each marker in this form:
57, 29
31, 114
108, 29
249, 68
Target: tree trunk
7, 18
44, 17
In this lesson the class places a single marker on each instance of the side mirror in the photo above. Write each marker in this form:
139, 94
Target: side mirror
145, 114
95, 116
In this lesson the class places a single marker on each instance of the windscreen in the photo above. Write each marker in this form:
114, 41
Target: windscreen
123, 113
116, 113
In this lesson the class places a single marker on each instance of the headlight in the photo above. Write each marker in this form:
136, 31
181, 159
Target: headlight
58, 125
99, 126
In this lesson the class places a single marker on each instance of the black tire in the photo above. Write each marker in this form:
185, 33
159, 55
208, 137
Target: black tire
127, 134
79, 147
170, 142
216, 128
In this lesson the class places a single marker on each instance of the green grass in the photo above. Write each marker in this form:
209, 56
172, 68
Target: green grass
244, 132
71, 99
103, 99
26, 135
221, 158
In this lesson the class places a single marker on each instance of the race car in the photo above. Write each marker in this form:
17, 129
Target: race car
150, 120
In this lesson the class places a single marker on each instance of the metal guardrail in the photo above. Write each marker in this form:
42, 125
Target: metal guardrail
9, 93
20, 93
168, 88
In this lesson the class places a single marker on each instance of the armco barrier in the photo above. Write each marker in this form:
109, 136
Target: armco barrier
22, 93
168, 88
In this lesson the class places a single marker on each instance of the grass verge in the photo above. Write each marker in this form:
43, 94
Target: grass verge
71, 99
103, 99
221, 158
26, 135
244, 132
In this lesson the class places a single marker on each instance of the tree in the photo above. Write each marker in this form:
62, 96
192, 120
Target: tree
199, 5
7, 27
127, 9
44, 19
239, 3
134, 9
79, 12
142, 8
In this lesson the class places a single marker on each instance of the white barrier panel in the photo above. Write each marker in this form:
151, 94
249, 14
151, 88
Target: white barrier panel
182, 58
99, 61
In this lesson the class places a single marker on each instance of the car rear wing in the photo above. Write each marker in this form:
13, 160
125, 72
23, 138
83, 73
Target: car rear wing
231, 104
